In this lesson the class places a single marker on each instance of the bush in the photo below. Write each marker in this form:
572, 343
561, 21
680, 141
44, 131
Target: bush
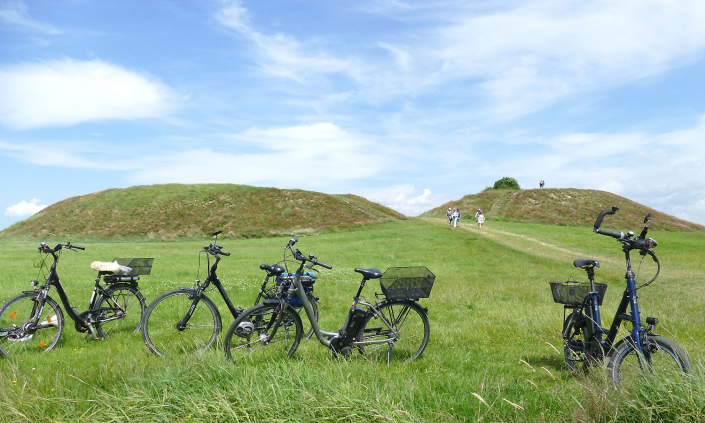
507, 183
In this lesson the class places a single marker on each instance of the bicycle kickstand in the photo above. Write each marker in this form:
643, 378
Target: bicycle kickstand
389, 353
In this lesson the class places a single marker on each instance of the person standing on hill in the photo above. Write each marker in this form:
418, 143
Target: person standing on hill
480, 219
541, 183
449, 215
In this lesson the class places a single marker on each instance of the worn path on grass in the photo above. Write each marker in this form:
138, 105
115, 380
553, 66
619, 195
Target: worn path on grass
522, 242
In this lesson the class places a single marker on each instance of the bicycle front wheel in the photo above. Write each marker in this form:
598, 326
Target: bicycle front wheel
400, 325
258, 332
164, 330
666, 359
119, 310
19, 334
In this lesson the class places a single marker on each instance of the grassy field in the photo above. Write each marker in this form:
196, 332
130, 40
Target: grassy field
493, 354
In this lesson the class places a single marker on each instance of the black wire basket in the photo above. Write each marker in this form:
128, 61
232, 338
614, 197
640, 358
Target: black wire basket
134, 268
407, 282
573, 293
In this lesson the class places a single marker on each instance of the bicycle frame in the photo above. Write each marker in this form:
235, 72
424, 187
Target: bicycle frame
298, 289
594, 331
211, 278
53, 280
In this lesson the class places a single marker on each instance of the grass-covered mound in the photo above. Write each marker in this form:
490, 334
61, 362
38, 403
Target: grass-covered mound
188, 211
561, 206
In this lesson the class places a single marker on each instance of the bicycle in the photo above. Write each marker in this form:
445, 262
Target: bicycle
398, 323
174, 321
585, 340
33, 321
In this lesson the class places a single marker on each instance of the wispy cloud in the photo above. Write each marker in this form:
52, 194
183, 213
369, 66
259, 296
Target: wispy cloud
665, 170
316, 155
280, 54
15, 13
511, 58
67, 92
24, 208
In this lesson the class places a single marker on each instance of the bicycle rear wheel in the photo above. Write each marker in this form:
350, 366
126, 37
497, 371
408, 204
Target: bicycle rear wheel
120, 310
164, 332
574, 340
19, 335
255, 333
666, 360
407, 319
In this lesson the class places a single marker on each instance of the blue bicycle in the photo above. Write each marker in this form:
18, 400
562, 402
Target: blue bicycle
585, 340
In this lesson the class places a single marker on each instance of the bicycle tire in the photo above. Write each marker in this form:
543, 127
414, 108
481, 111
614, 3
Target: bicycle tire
246, 335
667, 360
407, 318
159, 323
570, 355
111, 321
20, 309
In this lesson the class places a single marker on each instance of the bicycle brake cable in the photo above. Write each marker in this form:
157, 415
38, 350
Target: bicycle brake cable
658, 269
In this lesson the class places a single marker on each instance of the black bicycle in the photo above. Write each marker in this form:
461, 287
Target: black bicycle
186, 320
586, 341
33, 321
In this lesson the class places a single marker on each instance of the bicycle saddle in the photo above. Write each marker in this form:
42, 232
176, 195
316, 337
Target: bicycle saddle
105, 267
273, 269
370, 273
586, 263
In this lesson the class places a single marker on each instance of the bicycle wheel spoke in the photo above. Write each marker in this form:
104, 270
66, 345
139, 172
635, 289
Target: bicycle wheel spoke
27, 331
409, 332
164, 336
120, 311
255, 331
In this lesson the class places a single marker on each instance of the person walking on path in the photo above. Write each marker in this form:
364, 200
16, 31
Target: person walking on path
449, 216
480, 219
456, 218
479, 212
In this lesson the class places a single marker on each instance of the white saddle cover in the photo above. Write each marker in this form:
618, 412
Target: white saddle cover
106, 267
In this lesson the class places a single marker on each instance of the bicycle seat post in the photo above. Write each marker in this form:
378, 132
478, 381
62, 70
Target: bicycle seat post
591, 276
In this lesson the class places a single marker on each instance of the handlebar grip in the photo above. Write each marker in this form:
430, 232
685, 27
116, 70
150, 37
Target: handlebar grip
617, 235
327, 266
602, 215
225, 253
78, 247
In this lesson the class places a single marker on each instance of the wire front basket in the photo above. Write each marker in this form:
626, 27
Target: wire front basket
407, 282
573, 293
139, 266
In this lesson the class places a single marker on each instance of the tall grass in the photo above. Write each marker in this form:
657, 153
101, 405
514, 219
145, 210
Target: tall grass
494, 355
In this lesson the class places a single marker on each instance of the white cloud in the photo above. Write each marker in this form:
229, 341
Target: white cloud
16, 13
512, 58
67, 92
405, 199
315, 155
665, 171
280, 54
308, 155
24, 209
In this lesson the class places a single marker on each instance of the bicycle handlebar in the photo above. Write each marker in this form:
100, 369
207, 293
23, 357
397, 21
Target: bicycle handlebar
44, 248
617, 235
640, 242
602, 215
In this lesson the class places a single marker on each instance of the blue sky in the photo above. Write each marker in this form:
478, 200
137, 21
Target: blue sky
408, 103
